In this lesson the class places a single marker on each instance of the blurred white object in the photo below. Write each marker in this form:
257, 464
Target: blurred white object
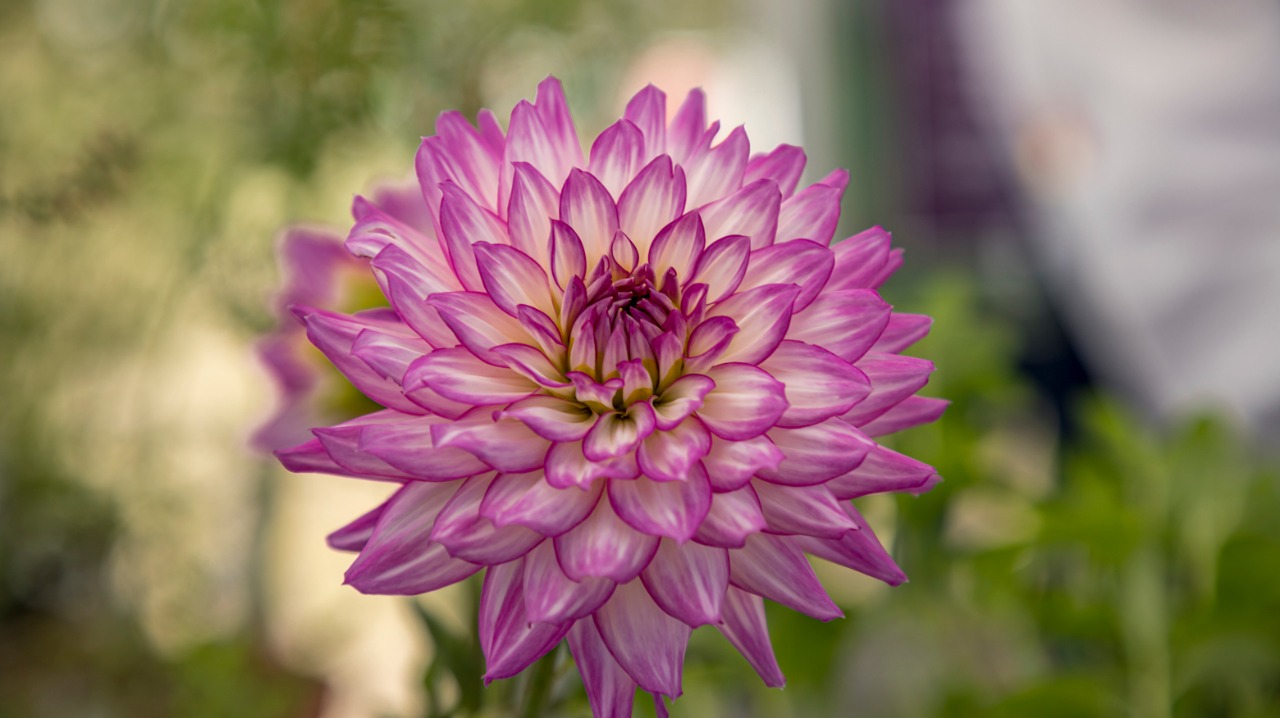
1146, 136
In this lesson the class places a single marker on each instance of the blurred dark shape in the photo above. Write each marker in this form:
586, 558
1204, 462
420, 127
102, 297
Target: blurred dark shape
99, 175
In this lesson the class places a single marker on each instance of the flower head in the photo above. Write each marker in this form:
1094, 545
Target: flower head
634, 388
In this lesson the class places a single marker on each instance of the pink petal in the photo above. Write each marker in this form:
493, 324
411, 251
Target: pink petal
389, 353
534, 202
512, 278
478, 323
733, 516
400, 441
893, 378
722, 266
463, 223
467, 535
588, 207
751, 211
552, 597
543, 135
803, 510
799, 261
406, 283
355, 535
884, 470
688, 125
859, 550
653, 199
311, 457
552, 418
459, 375
717, 172
913, 411
745, 626
731, 464
773, 567
566, 466
860, 259
814, 212
527, 500
510, 641
507, 445
762, 315
671, 455
646, 642
375, 231
681, 399
746, 402
819, 384
817, 453
845, 323
531, 364
663, 508
678, 246
467, 158
605, 546
708, 342
784, 165
618, 433
902, 331
568, 258
688, 581
648, 111
334, 334
610, 691
616, 156
399, 558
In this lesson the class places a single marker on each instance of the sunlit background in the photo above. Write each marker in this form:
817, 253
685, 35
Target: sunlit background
1089, 196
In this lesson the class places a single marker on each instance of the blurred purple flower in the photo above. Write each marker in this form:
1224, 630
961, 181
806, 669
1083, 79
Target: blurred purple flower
634, 387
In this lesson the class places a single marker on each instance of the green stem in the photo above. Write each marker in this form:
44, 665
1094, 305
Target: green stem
539, 685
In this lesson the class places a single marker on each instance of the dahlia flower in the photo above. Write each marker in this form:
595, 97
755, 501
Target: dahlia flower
633, 387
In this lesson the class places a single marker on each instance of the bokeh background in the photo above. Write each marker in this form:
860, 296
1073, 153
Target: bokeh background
1089, 195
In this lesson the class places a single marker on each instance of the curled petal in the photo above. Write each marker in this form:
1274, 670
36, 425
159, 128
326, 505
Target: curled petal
459, 375
717, 172
722, 266
463, 223
531, 364
403, 442
819, 384
762, 315
552, 418
902, 331
859, 550
616, 155
731, 464
586, 206
783, 165
733, 516
478, 323
617, 433
512, 278
528, 500
743, 623
678, 246
663, 508
510, 641
817, 453
708, 342
803, 510
355, 535
688, 126
799, 261
671, 455
552, 597
814, 212
467, 535
568, 257
751, 211
334, 334
506, 445
913, 411
610, 690
860, 259
683, 397
648, 111
647, 643
688, 581
773, 567
893, 378
604, 546
845, 323
534, 201
311, 457
884, 470
399, 557
745, 403
653, 199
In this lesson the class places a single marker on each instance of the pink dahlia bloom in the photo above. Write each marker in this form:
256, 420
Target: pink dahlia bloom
633, 387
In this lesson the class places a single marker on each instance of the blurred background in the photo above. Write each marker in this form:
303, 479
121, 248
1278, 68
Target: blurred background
1089, 196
